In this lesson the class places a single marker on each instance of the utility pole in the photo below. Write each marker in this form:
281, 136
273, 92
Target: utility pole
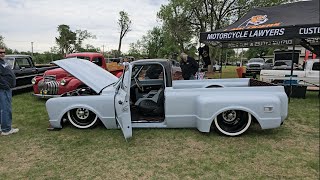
31, 48
103, 49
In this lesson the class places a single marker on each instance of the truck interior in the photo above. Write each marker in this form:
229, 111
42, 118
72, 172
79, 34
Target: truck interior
147, 93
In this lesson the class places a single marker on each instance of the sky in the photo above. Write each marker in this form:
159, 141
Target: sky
26, 21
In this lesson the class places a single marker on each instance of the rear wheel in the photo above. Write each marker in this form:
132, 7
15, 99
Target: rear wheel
232, 122
82, 118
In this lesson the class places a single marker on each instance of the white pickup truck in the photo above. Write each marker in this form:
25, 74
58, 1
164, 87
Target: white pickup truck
308, 76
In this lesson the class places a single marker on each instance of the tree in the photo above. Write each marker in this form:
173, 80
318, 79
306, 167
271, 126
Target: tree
66, 39
175, 23
1, 41
81, 36
69, 41
125, 24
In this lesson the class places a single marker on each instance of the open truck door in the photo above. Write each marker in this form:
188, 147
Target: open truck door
122, 102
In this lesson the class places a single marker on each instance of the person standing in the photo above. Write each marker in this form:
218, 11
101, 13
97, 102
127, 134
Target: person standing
7, 81
189, 67
204, 53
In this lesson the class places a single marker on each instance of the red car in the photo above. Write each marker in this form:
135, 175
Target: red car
56, 82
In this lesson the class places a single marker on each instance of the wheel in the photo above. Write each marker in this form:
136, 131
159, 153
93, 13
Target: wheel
82, 118
232, 122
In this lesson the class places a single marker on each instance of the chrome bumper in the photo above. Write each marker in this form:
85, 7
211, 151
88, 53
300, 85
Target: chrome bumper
46, 96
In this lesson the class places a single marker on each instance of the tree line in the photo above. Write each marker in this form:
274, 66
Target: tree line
182, 22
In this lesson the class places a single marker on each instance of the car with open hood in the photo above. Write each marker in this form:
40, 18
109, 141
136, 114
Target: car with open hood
145, 96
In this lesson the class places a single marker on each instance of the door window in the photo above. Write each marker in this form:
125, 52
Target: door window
152, 71
125, 80
23, 62
97, 61
316, 66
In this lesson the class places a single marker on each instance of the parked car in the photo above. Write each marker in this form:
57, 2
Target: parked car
308, 75
54, 83
216, 67
25, 69
285, 65
255, 65
229, 106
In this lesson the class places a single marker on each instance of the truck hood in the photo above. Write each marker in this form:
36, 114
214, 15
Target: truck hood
89, 73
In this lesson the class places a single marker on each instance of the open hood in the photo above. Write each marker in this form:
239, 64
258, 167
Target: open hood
89, 73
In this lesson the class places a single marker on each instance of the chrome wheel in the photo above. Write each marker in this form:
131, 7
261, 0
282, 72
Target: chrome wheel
232, 122
82, 118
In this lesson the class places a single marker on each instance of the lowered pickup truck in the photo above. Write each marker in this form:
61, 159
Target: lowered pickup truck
25, 69
136, 100
308, 76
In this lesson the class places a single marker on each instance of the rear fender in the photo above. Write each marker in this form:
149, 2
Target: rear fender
205, 126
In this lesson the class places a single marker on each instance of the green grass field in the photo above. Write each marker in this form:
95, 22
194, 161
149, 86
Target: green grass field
288, 152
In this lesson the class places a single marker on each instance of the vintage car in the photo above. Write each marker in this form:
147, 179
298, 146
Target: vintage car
138, 100
54, 83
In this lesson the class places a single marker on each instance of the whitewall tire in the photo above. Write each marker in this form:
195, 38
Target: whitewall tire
233, 122
82, 118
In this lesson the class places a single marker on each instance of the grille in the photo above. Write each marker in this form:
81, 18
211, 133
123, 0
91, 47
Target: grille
48, 86
49, 78
254, 65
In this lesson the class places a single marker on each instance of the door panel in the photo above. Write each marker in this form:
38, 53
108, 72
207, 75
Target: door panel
122, 103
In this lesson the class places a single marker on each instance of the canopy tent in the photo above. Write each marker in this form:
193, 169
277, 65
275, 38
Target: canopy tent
278, 25
286, 24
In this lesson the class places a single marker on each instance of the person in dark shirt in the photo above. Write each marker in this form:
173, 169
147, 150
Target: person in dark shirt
189, 66
7, 81
204, 52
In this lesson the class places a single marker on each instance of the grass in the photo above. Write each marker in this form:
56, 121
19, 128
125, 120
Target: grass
227, 72
288, 152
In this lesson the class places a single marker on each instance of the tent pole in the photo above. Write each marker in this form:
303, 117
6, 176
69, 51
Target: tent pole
220, 59
291, 74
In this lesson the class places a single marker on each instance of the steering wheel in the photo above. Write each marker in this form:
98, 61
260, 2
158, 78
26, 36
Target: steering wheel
138, 83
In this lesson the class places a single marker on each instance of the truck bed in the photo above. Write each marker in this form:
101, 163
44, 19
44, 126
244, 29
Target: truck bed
216, 83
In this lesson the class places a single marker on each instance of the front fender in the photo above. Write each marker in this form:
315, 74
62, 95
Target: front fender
102, 106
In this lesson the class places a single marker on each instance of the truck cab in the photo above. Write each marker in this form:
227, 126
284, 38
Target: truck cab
24, 69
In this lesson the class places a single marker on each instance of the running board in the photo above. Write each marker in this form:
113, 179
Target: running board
149, 125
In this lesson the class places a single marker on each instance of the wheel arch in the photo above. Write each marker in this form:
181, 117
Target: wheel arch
66, 110
215, 86
241, 108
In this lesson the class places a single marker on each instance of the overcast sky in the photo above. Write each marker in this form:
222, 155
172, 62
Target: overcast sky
26, 21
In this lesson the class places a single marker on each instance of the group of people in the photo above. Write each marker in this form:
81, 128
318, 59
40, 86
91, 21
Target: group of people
7, 81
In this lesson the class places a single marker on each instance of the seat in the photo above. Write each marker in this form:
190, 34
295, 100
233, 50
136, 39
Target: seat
153, 106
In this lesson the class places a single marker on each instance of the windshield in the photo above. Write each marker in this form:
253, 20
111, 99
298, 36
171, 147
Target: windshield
9, 61
256, 60
282, 63
80, 57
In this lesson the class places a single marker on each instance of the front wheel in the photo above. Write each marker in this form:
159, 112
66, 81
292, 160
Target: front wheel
233, 122
82, 118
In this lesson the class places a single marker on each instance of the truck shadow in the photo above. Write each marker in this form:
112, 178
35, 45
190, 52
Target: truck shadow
21, 91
